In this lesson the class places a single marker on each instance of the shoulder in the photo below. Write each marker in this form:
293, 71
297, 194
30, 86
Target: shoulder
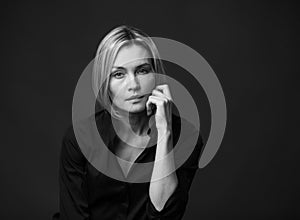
88, 128
78, 136
70, 150
69, 135
83, 137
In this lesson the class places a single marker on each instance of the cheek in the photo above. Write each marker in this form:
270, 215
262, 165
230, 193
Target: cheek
148, 83
115, 88
112, 91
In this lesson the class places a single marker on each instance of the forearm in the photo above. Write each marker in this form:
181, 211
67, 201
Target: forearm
162, 188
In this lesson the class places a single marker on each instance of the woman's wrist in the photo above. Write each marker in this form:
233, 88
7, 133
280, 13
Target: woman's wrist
164, 141
165, 130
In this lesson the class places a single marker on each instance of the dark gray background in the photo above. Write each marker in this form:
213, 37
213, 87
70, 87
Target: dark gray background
252, 47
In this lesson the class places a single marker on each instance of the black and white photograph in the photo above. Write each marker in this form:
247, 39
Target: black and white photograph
148, 110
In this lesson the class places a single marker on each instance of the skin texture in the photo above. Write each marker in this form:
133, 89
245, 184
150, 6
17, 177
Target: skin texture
132, 75
128, 79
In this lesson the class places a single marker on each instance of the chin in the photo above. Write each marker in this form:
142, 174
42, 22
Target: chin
136, 108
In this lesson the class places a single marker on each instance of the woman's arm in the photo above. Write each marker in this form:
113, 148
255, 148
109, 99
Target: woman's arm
169, 195
175, 204
73, 192
161, 188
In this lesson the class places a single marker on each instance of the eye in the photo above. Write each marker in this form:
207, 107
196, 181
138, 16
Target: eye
143, 70
118, 75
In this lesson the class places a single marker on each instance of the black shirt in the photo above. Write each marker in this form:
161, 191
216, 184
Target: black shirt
86, 193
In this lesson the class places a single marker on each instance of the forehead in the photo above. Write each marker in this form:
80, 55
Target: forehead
131, 55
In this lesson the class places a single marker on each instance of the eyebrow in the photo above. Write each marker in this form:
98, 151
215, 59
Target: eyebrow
137, 67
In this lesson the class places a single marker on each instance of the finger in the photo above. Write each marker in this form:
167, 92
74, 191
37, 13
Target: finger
154, 101
159, 101
150, 105
165, 90
159, 93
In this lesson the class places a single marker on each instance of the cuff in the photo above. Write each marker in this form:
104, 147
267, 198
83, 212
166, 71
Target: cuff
173, 209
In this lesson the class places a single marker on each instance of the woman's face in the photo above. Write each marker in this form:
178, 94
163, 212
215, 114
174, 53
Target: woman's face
132, 79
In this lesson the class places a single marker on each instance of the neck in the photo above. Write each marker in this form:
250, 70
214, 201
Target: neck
138, 123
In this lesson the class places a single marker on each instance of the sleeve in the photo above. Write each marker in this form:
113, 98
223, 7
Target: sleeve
176, 204
73, 193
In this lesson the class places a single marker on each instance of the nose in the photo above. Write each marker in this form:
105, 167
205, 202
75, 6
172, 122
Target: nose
133, 82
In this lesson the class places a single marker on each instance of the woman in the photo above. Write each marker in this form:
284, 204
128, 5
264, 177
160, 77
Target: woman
136, 111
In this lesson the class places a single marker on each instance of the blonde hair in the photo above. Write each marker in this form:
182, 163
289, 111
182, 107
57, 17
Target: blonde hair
106, 54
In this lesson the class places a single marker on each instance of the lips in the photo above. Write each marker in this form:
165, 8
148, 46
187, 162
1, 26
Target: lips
135, 97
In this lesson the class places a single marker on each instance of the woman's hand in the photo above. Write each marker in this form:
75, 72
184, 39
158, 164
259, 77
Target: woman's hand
161, 98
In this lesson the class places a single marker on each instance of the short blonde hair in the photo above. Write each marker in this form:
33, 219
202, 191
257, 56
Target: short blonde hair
106, 54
